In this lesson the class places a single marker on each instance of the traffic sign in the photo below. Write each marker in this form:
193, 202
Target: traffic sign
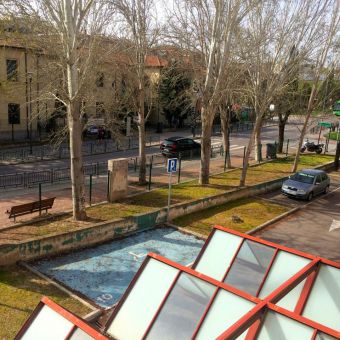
172, 165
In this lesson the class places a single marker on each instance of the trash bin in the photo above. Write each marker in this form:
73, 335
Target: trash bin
271, 150
159, 128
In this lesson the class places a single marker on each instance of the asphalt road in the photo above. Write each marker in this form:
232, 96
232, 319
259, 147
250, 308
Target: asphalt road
238, 141
308, 229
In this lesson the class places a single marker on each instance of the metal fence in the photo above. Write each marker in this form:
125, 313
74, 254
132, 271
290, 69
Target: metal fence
88, 148
30, 179
101, 146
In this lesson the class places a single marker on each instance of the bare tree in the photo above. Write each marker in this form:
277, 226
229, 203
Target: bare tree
69, 28
329, 30
205, 29
143, 31
268, 37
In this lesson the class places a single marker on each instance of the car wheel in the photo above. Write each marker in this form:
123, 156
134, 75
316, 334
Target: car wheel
310, 196
326, 191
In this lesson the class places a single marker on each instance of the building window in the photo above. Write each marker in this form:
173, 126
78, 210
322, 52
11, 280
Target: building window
100, 111
100, 79
13, 113
12, 69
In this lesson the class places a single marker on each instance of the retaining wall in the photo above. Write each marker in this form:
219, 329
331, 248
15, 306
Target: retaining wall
102, 232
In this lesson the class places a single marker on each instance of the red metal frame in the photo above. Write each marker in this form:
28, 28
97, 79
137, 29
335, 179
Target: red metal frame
29, 321
267, 272
126, 294
161, 305
314, 334
205, 245
307, 288
205, 313
66, 314
267, 243
256, 313
244, 323
232, 260
205, 278
319, 327
253, 318
182, 269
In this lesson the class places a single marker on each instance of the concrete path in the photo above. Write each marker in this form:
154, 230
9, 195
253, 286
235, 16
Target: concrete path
308, 229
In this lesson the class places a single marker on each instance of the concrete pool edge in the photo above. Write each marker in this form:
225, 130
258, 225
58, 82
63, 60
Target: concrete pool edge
102, 232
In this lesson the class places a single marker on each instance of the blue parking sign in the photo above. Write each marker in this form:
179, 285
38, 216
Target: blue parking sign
172, 165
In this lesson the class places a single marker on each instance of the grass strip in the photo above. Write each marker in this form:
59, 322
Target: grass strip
20, 292
238, 215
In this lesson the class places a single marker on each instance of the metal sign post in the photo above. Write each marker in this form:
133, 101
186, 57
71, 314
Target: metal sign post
171, 167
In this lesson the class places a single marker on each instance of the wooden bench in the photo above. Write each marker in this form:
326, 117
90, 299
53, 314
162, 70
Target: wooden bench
28, 208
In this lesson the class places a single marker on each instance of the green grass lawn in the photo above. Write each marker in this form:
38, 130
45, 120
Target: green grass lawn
203, 221
20, 292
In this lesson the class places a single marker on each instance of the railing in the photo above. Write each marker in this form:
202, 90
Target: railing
88, 148
30, 179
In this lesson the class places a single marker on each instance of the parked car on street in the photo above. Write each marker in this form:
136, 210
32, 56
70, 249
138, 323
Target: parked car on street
306, 184
97, 132
173, 146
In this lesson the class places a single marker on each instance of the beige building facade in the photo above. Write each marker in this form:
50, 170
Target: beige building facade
28, 109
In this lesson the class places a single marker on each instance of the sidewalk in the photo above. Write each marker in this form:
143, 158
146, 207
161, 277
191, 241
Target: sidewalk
62, 192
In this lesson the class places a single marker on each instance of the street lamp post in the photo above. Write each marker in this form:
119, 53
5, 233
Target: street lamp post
29, 74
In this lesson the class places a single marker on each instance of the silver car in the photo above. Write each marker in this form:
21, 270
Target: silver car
306, 183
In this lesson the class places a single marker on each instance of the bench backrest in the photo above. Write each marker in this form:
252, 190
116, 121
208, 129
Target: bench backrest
17, 209
46, 203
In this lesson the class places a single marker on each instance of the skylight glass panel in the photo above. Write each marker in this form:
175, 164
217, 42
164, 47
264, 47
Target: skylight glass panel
279, 327
323, 304
226, 309
284, 267
79, 334
183, 309
48, 324
323, 336
290, 300
249, 267
218, 255
143, 301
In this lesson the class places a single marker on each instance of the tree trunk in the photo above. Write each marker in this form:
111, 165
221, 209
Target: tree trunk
73, 108
257, 126
205, 147
304, 128
258, 144
141, 130
142, 156
226, 136
282, 125
77, 174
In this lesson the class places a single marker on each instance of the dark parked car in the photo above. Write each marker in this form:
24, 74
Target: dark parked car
97, 132
306, 183
174, 146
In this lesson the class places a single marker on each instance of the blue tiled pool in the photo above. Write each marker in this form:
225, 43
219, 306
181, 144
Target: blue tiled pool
104, 272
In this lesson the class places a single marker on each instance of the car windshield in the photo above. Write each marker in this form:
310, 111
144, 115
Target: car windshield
168, 142
304, 178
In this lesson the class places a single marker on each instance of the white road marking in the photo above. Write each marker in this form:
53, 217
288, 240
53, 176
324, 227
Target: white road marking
335, 225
